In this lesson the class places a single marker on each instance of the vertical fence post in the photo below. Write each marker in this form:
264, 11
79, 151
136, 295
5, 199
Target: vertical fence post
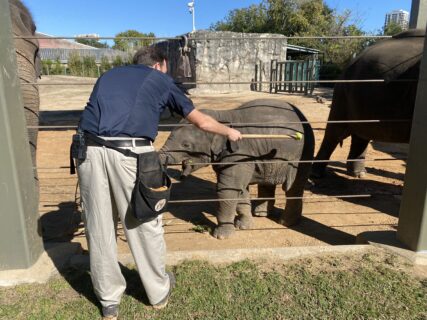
412, 228
20, 238
418, 18
256, 77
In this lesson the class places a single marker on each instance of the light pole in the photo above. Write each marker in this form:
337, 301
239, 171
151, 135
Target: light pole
192, 10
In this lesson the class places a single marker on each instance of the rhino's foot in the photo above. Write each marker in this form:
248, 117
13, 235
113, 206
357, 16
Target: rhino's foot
244, 222
318, 172
356, 169
261, 212
289, 220
223, 231
358, 174
264, 210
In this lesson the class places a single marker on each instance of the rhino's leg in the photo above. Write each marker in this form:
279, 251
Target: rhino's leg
357, 151
244, 214
334, 134
232, 182
264, 207
293, 207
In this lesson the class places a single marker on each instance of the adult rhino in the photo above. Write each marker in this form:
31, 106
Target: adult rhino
28, 68
194, 147
397, 61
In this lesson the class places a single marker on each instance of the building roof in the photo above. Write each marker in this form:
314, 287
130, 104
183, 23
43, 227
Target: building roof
46, 41
52, 48
302, 49
64, 54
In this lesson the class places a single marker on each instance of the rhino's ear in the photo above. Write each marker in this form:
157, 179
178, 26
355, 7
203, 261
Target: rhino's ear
218, 144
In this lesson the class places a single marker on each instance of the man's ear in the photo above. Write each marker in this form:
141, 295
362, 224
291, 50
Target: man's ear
218, 144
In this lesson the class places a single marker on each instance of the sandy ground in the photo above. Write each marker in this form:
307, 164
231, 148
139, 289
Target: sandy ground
326, 221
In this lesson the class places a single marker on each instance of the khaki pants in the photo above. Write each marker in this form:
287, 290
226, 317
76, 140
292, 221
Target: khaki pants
106, 180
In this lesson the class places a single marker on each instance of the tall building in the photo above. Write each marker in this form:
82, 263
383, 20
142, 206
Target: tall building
399, 17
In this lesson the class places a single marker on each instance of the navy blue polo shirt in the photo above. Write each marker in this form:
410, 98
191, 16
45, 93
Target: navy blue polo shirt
127, 102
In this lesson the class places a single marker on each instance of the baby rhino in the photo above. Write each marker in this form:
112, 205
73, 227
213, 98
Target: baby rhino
264, 161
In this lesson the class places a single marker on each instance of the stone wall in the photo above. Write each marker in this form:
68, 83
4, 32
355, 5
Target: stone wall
231, 57
224, 57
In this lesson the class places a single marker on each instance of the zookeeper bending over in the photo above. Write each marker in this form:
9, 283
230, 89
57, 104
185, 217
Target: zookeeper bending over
123, 114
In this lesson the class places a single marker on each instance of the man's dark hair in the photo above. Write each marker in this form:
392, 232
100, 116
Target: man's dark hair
149, 56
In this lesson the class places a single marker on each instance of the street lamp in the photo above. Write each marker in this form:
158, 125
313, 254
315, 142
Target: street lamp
192, 10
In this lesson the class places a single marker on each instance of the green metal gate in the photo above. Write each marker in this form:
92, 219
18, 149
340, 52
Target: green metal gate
290, 76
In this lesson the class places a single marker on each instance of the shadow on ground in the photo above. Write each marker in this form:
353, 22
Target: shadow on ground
382, 195
60, 225
58, 228
196, 188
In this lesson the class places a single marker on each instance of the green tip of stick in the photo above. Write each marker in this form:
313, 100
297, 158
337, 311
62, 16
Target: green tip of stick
298, 136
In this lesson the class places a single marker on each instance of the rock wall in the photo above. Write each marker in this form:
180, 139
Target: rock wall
223, 57
231, 57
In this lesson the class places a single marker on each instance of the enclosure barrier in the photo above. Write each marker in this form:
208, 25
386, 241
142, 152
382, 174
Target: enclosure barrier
277, 85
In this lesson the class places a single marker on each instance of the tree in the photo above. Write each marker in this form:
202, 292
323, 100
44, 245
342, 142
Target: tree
92, 42
392, 28
299, 18
132, 44
252, 19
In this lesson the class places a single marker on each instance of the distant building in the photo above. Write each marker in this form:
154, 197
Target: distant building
399, 17
52, 48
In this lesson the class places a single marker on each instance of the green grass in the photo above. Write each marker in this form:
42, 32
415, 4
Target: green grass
368, 286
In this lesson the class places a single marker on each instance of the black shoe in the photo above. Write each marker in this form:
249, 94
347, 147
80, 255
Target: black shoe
164, 302
110, 312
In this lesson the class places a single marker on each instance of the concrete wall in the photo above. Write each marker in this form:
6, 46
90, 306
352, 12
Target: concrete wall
231, 57
418, 16
225, 57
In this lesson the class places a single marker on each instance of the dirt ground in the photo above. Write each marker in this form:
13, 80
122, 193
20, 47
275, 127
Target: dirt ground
326, 221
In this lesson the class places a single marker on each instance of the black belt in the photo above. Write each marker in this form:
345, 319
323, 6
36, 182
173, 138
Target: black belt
124, 143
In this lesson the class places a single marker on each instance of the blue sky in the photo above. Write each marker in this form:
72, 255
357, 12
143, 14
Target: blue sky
170, 17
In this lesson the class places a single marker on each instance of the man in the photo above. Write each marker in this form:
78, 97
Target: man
124, 109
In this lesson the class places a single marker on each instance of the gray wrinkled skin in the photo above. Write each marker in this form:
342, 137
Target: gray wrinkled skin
28, 62
190, 144
394, 60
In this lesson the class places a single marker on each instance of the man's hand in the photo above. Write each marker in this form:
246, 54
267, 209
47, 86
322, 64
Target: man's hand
234, 135
209, 124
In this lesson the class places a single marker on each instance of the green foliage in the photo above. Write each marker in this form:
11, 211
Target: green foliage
252, 19
46, 66
93, 43
300, 18
90, 69
392, 29
105, 64
132, 45
201, 228
75, 64
57, 68
82, 66
118, 61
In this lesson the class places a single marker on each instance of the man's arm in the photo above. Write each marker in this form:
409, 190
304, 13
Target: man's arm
209, 124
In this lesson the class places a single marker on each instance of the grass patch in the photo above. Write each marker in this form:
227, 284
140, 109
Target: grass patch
368, 286
202, 228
